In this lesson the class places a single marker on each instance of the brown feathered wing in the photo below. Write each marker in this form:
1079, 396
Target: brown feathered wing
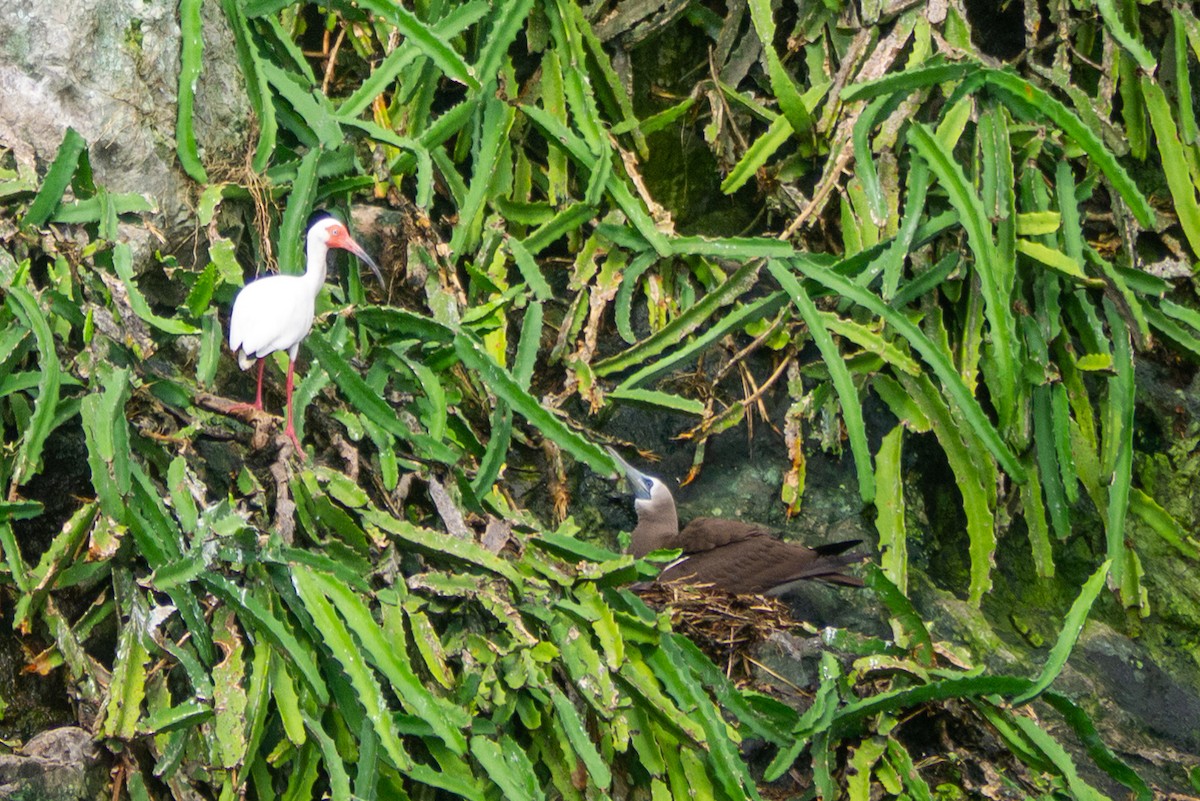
746, 558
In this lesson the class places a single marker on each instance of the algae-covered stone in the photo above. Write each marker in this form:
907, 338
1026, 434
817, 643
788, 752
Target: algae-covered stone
57, 765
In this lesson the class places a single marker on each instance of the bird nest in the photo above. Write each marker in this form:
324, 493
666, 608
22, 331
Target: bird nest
725, 626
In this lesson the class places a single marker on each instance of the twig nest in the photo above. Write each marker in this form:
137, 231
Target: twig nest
725, 626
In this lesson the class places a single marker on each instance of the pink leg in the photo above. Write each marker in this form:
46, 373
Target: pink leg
262, 363
290, 428
241, 407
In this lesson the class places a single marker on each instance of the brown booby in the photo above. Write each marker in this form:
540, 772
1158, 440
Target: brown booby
731, 555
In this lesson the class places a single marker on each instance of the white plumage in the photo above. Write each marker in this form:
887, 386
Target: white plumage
276, 312
270, 314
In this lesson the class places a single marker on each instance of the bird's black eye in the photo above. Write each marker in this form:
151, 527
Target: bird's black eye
649, 484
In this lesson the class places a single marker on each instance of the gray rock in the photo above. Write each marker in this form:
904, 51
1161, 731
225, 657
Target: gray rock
110, 70
1132, 687
56, 765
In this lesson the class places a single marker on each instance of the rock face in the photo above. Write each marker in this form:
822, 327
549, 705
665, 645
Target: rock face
1126, 675
110, 70
56, 765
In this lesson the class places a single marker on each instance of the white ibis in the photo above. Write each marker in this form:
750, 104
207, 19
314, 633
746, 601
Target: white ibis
731, 555
276, 312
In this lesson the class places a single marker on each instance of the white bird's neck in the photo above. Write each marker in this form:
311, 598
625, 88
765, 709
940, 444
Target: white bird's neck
314, 273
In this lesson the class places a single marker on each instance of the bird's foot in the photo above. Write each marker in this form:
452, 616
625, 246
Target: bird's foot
290, 433
238, 408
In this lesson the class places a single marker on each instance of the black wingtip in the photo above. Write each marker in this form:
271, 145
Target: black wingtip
835, 548
835, 558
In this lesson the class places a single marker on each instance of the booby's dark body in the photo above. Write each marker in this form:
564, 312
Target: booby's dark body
731, 555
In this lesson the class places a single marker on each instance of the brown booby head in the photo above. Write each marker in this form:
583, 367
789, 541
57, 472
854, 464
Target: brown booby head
658, 523
732, 555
